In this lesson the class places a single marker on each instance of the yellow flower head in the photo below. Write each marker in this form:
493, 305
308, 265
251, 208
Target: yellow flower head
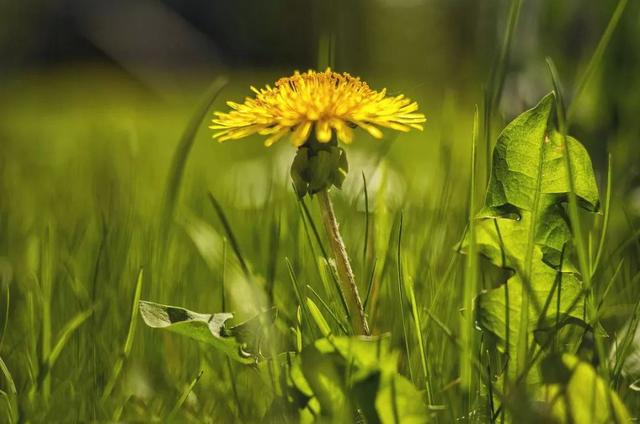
327, 100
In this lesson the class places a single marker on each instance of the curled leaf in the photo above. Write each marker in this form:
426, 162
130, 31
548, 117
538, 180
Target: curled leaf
241, 342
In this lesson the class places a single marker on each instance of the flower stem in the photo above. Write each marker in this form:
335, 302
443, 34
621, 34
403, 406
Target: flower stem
345, 273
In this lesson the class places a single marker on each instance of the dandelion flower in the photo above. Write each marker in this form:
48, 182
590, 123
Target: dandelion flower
310, 107
323, 102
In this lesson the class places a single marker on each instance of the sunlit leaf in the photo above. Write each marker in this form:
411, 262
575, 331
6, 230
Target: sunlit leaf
358, 376
574, 393
523, 228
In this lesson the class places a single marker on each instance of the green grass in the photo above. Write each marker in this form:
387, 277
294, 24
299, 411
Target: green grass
109, 195
96, 187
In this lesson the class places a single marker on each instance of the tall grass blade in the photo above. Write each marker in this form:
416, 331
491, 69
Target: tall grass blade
176, 408
401, 298
322, 323
181, 154
10, 396
223, 305
624, 347
63, 338
607, 288
128, 343
574, 217
229, 231
7, 401
605, 219
596, 58
418, 330
46, 289
326, 307
573, 200
366, 222
372, 276
499, 71
273, 256
296, 289
493, 93
117, 412
8, 378
7, 305
471, 268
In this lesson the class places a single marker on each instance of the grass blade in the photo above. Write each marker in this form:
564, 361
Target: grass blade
332, 314
8, 378
183, 397
471, 269
65, 334
613, 278
46, 288
596, 58
401, 299
366, 222
7, 305
372, 275
574, 219
418, 330
10, 397
128, 343
179, 161
605, 220
296, 289
7, 400
493, 93
272, 258
223, 305
232, 238
322, 324
499, 71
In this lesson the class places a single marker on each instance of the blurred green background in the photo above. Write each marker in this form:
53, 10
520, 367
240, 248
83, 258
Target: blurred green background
94, 97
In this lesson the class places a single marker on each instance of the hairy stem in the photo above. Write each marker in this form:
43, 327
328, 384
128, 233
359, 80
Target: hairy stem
345, 273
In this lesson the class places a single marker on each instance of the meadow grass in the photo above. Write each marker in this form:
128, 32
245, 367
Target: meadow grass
134, 201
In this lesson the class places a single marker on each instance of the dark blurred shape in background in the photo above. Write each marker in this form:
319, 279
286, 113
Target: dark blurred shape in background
157, 33
451, 42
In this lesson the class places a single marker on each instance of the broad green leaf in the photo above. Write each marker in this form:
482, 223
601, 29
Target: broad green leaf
523, 228
574, 393
332, 366
528, 160
240, 342
352, 376
324, 373
398, 401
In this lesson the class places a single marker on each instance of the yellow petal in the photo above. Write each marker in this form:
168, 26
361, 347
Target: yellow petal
394, 126
275, 137
374, 131
343, 131
301, 133
323, 131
